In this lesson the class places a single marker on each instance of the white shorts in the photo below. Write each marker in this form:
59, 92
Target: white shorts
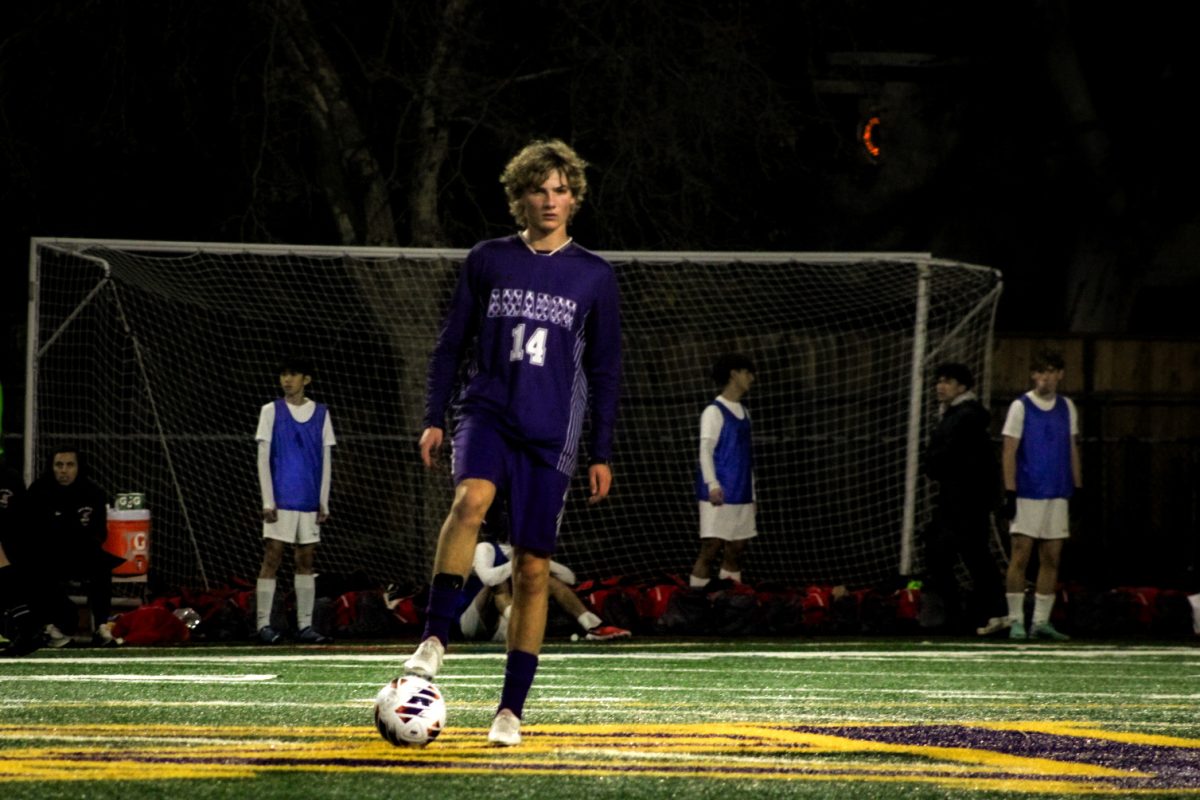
1042, 519
293, 527
731, 521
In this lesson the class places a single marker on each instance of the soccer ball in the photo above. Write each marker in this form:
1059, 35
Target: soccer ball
410, 711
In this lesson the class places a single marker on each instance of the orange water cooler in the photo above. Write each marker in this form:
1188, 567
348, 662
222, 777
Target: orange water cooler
129, 538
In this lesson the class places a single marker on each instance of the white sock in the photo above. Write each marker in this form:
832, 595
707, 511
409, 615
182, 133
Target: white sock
697, 583
306, 595
587, 620
1042, 605
470, 622
1016, 606
1194, 600
501, 634
264, 598
736, 577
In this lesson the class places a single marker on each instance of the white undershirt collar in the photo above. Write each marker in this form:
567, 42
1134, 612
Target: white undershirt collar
536, 252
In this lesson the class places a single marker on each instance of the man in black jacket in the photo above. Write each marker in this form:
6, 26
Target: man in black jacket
68, 523
961, 457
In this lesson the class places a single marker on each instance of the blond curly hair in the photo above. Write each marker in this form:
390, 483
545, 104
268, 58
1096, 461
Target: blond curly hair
533, 164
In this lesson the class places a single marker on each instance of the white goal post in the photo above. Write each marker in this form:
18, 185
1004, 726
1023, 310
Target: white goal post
156, 356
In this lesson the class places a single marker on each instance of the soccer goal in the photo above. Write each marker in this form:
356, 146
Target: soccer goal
156, 357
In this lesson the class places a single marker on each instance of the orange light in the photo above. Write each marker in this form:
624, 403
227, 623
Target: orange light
868, 137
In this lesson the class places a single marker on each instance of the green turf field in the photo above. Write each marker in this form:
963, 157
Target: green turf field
646, 719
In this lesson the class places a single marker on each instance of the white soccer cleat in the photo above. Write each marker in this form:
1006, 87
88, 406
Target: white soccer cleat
426, 662
994, 625
505, 730
55, 637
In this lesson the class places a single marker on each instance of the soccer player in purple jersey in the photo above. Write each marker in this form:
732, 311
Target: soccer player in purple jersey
536, 317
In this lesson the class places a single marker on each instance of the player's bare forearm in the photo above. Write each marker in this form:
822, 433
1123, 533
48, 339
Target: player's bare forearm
430, 443
599, 482
1008, 463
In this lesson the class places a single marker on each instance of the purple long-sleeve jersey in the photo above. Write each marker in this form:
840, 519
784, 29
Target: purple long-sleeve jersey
540, 332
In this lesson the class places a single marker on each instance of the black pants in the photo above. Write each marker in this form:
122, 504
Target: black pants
53, 603
958, 532
18, 622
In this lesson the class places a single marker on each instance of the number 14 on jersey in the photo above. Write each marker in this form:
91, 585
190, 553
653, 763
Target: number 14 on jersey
534, 347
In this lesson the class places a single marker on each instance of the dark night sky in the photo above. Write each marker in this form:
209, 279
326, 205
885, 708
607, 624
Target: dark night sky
1049, 139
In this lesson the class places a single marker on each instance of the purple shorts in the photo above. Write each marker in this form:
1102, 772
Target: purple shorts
536, 491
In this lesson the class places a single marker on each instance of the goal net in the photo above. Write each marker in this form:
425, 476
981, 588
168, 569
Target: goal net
157, 356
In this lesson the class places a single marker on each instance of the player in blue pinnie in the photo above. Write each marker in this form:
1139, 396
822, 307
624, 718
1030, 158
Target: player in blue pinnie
295, 441
1042, 472
536, 317
725, 475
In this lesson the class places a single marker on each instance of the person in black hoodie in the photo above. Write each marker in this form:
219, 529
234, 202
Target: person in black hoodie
68, 523
961, 458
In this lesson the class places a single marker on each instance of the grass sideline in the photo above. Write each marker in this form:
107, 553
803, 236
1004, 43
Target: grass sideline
641, 719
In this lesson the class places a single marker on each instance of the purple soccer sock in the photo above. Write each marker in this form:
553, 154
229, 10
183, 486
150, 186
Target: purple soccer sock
441, 611
518, 677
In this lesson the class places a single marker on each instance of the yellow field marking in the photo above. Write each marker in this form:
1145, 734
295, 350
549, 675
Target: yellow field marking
727, 751
1091, 731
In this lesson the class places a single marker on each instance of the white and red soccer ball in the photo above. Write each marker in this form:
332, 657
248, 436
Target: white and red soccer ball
410, 711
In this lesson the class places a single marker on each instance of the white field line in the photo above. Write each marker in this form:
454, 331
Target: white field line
560, 676
132, 703
127, 678
801, 693
796, 694
623, 653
